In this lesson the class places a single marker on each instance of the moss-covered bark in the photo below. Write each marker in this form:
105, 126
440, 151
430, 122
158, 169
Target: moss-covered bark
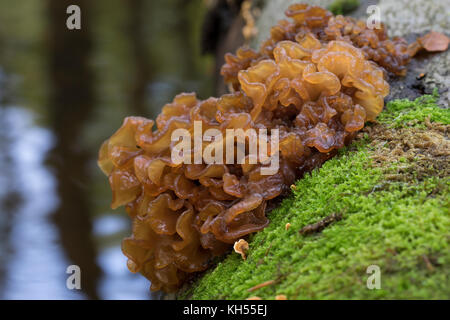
401, 225
391, 188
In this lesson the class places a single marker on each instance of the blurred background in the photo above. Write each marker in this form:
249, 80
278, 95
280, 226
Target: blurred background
62, 93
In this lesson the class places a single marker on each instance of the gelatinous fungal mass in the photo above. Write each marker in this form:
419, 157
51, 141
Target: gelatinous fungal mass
317, 80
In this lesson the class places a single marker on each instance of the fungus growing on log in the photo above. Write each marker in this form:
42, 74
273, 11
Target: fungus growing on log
317, 80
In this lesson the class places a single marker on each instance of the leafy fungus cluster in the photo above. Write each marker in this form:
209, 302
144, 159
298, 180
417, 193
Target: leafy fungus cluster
317, 80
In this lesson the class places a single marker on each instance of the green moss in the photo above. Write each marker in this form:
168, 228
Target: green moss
343, 6
403, 227
403, 112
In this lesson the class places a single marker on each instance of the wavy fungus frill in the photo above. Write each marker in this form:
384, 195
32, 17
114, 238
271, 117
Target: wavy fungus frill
316, 80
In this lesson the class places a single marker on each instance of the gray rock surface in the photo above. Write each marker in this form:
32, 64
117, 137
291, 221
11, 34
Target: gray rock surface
412, 18
406, 18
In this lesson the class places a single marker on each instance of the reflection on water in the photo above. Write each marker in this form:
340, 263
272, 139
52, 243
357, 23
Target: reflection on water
35, 262
61, 94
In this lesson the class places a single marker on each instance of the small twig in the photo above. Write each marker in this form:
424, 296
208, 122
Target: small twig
268, 249
319, 226
254, 298
261, 285
428, 262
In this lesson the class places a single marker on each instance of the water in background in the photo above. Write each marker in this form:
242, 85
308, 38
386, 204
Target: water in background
61, 94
